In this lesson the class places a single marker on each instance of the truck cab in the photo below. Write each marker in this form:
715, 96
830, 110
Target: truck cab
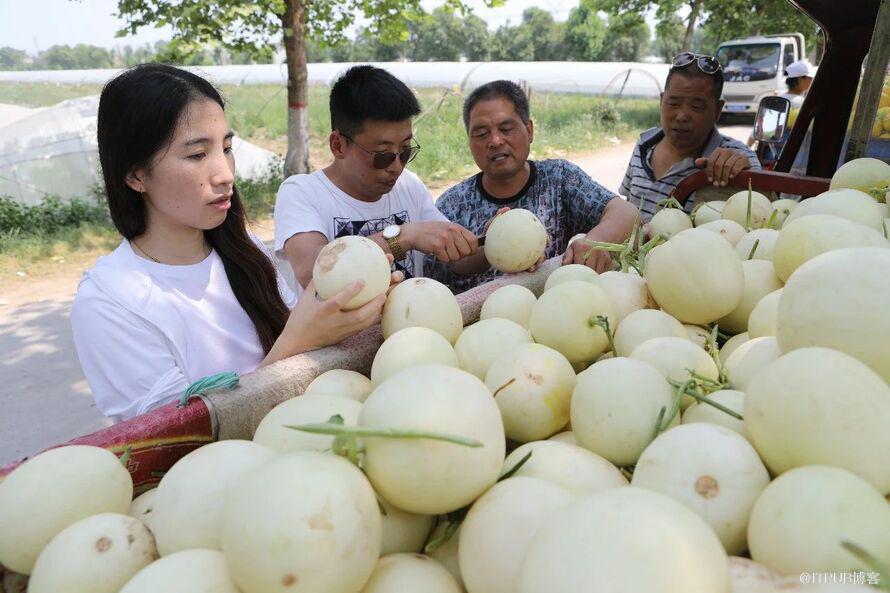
754, 68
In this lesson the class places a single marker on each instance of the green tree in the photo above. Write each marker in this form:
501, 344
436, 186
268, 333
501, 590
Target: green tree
13, 59
475, 38
251, 25
669, 34
730, 19
436, 36
627, 39
664, 9
585, 33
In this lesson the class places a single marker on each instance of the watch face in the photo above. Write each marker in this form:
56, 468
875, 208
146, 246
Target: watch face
391, 231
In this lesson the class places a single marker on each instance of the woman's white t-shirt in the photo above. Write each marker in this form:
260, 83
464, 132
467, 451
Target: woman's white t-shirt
145, 331
312, 203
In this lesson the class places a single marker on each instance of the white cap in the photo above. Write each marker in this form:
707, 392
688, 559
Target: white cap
800, 68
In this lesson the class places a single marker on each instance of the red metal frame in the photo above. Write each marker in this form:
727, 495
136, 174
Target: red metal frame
762, 181
157, 440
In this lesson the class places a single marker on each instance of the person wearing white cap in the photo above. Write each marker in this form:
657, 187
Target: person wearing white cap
800, 76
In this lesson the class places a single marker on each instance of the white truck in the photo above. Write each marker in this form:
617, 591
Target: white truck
754, 68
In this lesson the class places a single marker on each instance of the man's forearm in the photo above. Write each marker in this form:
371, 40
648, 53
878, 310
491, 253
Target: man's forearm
616, 223
472, 264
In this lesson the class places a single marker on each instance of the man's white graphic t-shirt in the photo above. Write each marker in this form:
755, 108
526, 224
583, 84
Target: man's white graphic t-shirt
311, 202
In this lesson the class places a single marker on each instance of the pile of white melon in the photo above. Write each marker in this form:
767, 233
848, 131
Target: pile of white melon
624, 477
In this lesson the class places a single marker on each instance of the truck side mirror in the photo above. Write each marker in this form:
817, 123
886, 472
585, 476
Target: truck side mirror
772, 115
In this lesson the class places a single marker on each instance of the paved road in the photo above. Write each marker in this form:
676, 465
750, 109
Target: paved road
44, 399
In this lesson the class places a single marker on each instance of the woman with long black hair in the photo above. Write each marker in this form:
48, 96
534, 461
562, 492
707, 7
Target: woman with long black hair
188, 293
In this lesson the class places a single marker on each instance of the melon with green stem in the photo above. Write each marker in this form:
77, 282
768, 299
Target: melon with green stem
820, 406
792, 534
782, 208
757, 244
729, 398
699, 258
838, 300
615, 406
273, 433
570, 317
431, 476
574, 468
669, 222
750, 209
409, 347
707, 212
513, 302
712, 470
678, 360
868, 175
422, 302
515, 240
347, 259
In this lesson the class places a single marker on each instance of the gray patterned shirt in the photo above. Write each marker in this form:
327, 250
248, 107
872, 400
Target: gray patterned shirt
641, 186
562, 195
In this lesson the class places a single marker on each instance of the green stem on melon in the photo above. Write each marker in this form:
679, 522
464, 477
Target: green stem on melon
455, 518
884, 226
714, 350
771, 223
675, 407
512, 471
603, 322
670, 202
705, 383
748, 213
338, 430
125, 458
707, 400
872, 562
656, 430
753, 249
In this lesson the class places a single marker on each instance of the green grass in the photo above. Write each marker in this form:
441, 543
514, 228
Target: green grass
564, 125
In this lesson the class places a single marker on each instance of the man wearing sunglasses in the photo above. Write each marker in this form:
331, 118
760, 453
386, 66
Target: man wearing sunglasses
687, 140
367, 190
561, 195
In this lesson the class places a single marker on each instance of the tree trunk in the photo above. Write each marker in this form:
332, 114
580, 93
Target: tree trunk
690, 25
297, 159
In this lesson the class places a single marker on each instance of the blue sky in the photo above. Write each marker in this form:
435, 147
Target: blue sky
29, 24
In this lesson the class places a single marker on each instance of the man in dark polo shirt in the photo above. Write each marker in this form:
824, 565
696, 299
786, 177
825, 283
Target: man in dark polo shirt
687, 140
558, 192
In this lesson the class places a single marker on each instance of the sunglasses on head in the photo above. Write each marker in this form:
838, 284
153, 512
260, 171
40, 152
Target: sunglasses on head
707, 64
384, 158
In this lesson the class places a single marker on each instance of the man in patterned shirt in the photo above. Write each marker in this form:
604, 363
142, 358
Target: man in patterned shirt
686, 140
563, 196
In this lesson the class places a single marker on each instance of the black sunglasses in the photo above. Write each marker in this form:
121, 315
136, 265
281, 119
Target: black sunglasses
384, 158
707, 64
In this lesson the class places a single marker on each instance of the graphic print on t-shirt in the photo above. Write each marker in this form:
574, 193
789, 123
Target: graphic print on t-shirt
365, 228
